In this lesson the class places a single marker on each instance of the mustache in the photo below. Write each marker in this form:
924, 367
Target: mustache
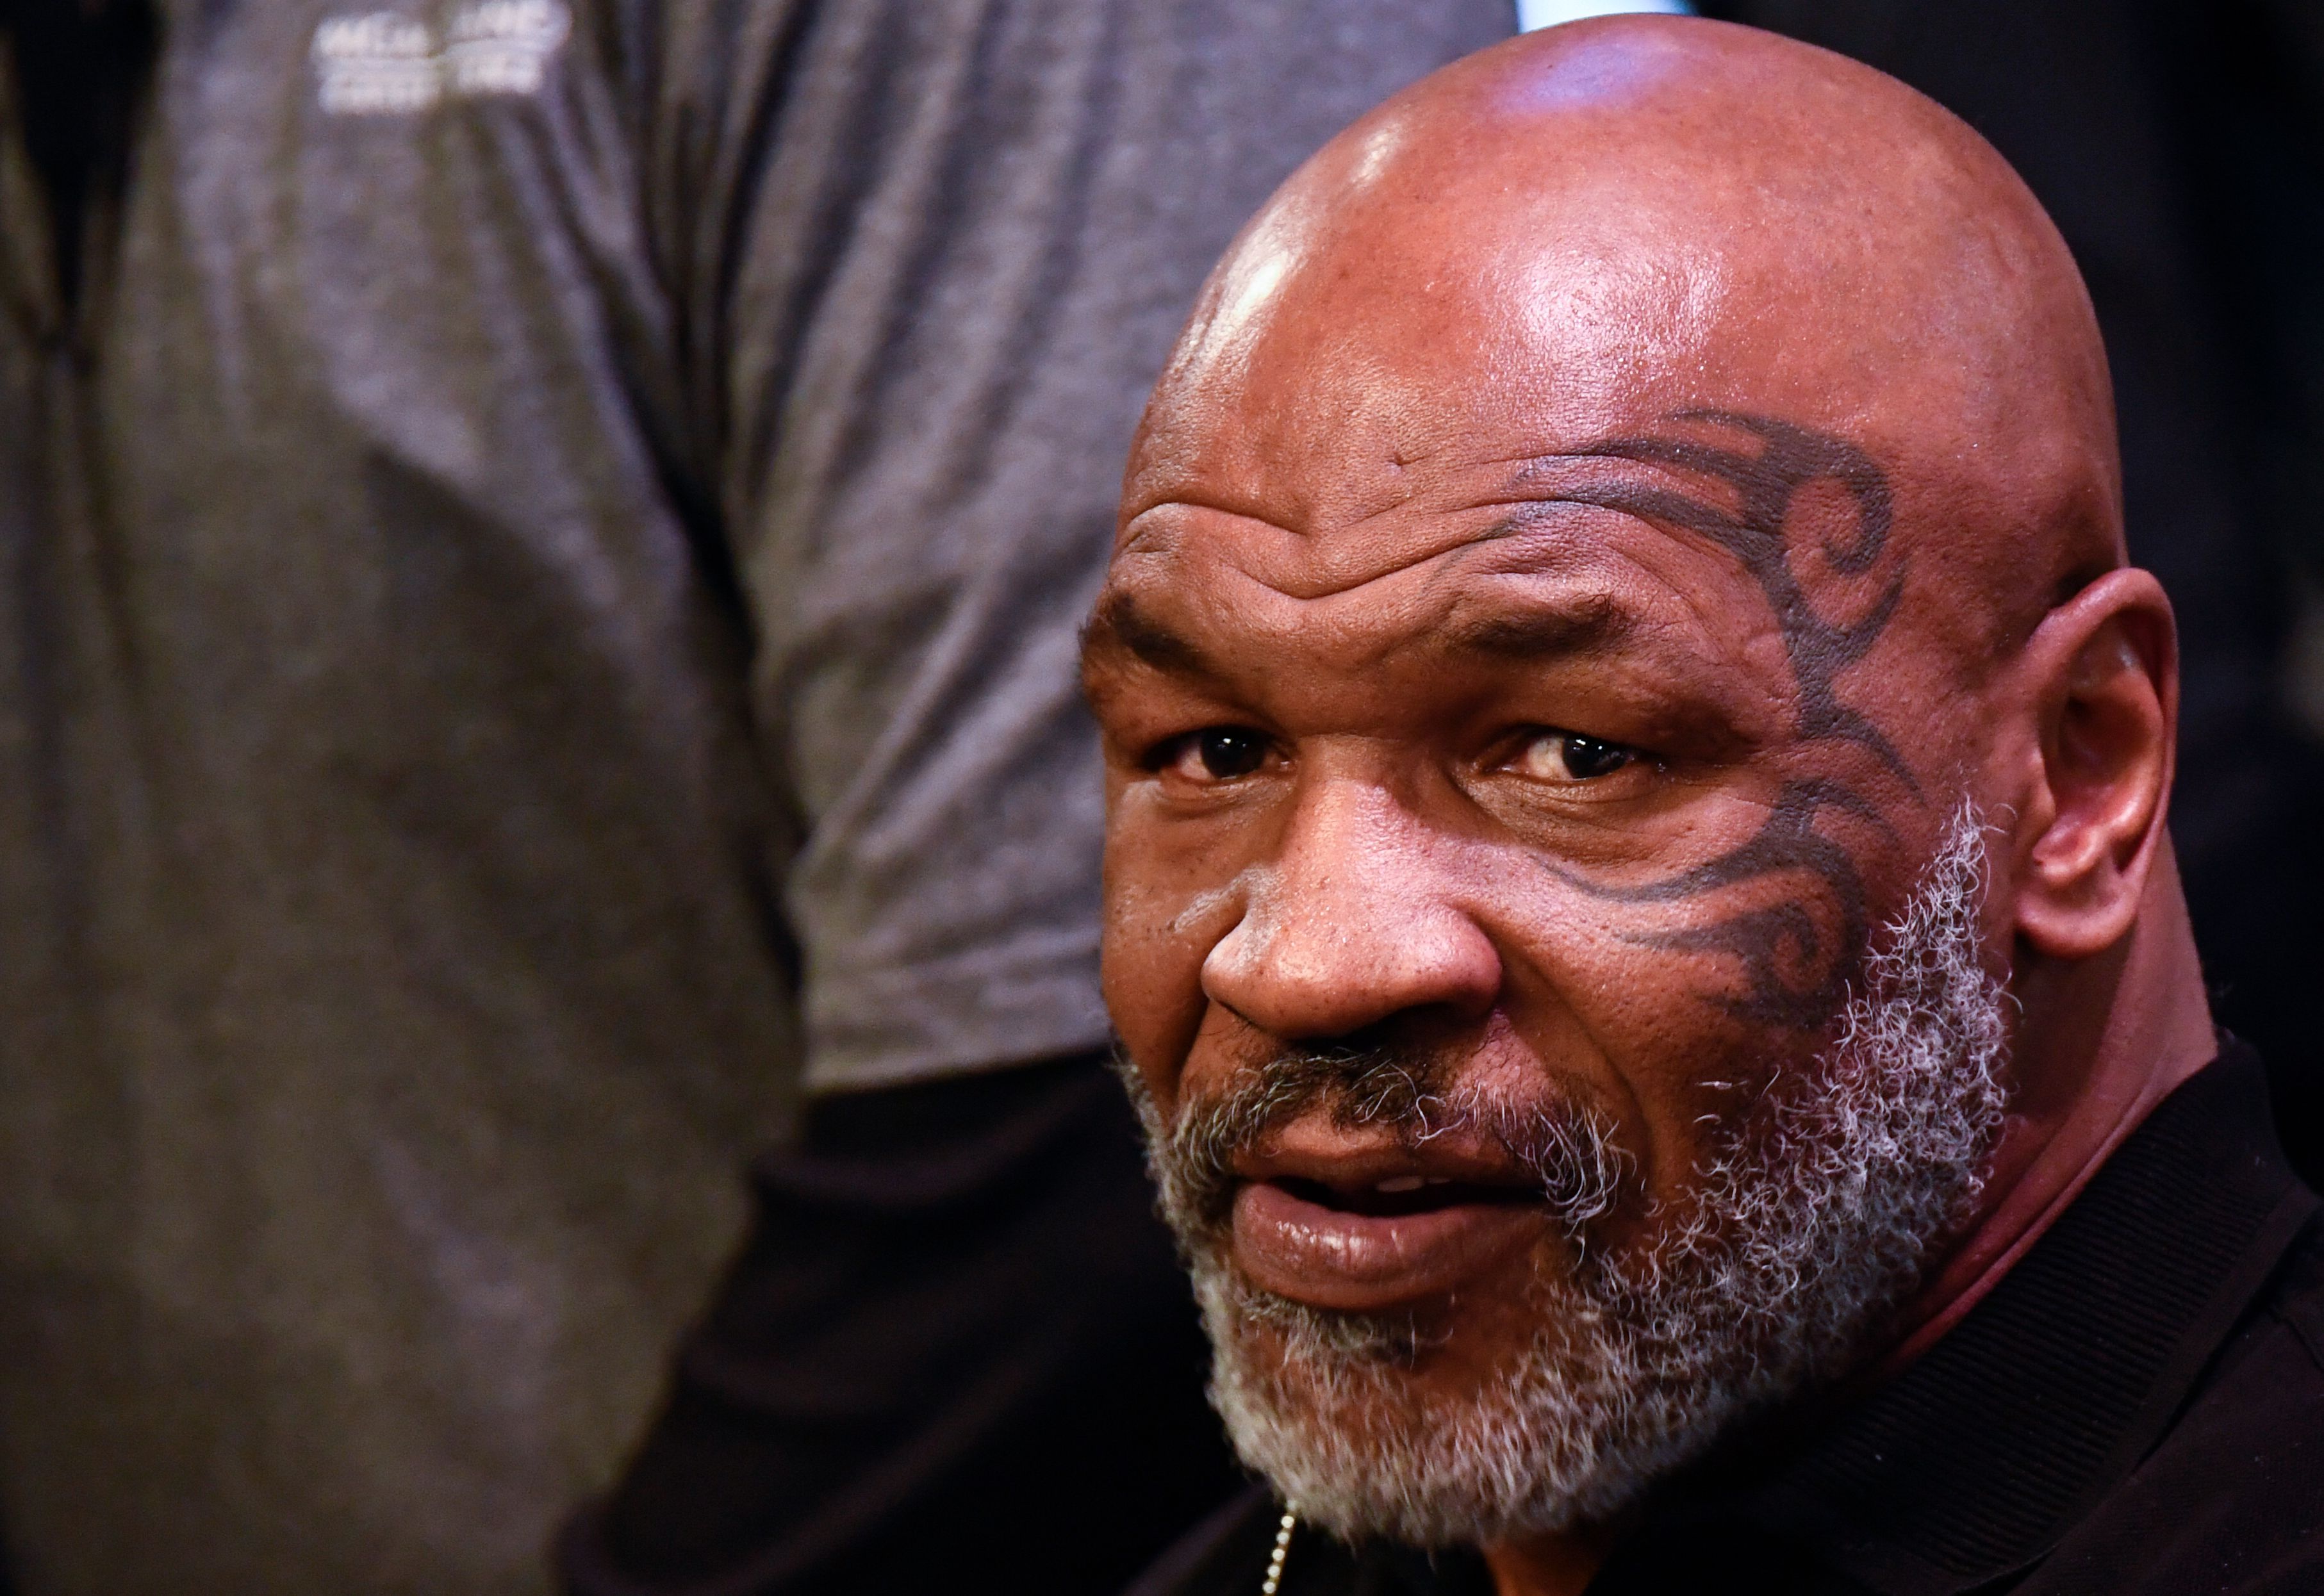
1566, 1149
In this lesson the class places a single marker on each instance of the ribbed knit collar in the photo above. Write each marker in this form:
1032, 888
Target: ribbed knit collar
1977, 1458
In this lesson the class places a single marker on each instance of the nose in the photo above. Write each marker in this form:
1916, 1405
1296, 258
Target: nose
1356, 923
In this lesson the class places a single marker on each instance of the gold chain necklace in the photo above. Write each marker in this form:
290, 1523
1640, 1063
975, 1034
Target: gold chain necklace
1273, 1581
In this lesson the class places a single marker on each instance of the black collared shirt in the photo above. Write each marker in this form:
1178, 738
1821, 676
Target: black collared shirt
2138, 1407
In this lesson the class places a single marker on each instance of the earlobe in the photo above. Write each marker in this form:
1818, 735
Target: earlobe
2102, 686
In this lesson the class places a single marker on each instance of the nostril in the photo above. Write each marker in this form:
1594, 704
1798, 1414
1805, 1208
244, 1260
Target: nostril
1329, 975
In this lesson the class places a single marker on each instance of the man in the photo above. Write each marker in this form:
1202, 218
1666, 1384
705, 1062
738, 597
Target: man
1637, 903
540, 544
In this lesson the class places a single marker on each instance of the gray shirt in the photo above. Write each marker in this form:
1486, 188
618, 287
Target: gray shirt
537, 608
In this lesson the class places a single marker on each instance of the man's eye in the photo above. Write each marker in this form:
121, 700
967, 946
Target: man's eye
1220, 754
1568, 756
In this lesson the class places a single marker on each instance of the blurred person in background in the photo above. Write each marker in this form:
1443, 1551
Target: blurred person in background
2181, 150
954, 1342
540, 546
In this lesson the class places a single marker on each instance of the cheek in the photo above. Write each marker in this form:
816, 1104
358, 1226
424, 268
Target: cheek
1159, 925
1654, 1026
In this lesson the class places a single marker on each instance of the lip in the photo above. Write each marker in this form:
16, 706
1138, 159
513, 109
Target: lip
1308, 1223
1332, 1258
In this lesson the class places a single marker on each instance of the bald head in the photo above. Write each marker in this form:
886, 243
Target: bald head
1589, 230
1620, 688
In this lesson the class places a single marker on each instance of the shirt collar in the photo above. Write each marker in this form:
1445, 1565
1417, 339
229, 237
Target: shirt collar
1974, 1461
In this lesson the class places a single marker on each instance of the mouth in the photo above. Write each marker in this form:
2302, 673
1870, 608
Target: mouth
1364, 1233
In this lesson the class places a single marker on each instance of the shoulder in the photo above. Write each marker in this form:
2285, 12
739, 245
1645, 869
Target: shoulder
2298, 1303
2232, 1500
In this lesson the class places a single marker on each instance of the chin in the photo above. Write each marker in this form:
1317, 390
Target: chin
1383, 1425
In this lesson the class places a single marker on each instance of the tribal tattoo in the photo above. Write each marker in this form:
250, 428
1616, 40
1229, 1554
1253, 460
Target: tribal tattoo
1794, 975
1766, 485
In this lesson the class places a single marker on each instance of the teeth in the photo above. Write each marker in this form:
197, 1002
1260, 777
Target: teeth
1402, 1183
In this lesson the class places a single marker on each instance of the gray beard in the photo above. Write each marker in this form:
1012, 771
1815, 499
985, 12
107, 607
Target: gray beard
1813, 1219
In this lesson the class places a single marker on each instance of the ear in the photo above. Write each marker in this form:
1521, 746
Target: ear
2101, 683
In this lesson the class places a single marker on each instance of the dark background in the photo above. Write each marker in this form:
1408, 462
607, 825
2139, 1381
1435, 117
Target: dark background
2179, 145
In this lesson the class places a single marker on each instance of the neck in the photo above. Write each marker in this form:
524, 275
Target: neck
2103, 1040
1560, 1564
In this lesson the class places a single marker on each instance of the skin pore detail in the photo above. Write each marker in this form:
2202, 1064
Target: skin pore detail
1797, 908
1792, 912
1796, 976
1757, 531
1634, 882
1798, 959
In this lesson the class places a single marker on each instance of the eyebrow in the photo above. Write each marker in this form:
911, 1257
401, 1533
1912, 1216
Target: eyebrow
1526, 633
1535, 632
1119, 626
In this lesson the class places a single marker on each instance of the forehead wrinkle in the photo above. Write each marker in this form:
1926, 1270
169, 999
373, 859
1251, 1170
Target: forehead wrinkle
1164, 541
1697, 637
1704, 603
1601, 613
1524, 517
1582, 476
